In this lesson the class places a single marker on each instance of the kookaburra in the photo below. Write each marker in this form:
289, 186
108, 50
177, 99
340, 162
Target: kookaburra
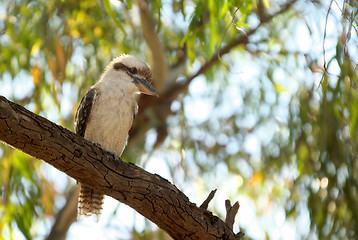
106, 113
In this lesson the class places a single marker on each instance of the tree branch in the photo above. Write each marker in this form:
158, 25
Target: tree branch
161, 106
149, 194
159, 67
205, 204
231, 213
174, 91
65, 217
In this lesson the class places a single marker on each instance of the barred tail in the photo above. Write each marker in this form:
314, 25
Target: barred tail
90, 202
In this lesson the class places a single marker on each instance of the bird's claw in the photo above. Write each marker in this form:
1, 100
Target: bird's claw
116, 158
97, 144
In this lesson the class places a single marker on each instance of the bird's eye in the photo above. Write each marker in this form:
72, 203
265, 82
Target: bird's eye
133, 70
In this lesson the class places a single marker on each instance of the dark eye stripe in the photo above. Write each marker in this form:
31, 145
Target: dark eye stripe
145, 73
120, 66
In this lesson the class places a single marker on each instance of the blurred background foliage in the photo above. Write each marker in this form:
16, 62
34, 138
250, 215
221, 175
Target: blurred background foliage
272, 123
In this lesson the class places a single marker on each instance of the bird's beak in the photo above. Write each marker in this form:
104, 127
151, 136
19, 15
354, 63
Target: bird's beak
144, 86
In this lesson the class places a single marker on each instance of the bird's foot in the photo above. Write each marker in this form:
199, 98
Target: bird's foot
116, 158
97, 144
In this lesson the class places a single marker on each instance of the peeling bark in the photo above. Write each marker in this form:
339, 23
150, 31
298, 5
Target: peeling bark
149, 194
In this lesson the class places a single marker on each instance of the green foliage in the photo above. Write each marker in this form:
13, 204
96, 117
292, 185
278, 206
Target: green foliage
325, 142
26, 195
274, 118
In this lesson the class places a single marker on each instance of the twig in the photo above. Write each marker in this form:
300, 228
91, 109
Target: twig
175, 89
223, 38
240, 235
113, 15
205, 204
231, 212
324, 40
350, 20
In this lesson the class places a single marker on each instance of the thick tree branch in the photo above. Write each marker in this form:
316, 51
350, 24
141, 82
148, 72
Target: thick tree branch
159, 67
149, 194
161, 106
243, 39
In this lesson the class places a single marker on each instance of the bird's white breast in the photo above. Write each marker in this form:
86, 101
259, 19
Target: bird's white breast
111, 119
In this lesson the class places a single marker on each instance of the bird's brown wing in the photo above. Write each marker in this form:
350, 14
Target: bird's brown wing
90, 201
84, 111
134, 114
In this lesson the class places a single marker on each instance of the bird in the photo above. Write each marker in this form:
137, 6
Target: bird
106, 113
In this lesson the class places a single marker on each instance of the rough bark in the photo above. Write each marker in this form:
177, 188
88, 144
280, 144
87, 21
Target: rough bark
149, 194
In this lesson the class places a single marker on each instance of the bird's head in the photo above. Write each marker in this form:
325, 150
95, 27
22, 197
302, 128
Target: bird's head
131, 73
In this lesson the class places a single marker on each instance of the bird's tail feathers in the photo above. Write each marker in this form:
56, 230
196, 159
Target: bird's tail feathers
90, 202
